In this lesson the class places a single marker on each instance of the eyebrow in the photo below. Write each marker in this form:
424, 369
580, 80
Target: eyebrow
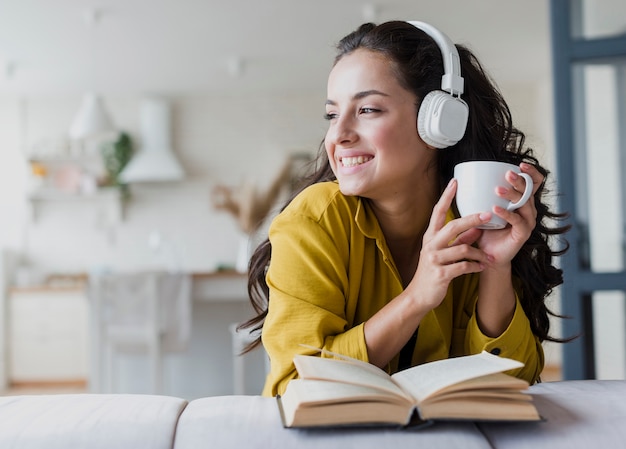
360, 95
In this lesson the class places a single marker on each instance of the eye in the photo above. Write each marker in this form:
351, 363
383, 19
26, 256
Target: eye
330, 116
366, 110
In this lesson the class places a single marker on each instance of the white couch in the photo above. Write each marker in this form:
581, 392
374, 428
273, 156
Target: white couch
578, 414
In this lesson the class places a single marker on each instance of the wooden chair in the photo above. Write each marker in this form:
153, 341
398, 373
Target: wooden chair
147, 312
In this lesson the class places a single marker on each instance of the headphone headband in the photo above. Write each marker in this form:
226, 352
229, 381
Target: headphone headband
443, 115
452, 81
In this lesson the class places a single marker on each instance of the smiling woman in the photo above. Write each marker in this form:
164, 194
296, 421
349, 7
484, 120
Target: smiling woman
371, 141
371, 259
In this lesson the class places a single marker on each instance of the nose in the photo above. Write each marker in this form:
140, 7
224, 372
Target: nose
342, 131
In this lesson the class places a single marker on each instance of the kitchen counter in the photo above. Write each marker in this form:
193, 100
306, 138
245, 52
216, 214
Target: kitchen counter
220, 286
215, 286
219, 299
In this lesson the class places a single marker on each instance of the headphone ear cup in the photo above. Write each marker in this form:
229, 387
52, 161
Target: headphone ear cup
442, 119
424, 117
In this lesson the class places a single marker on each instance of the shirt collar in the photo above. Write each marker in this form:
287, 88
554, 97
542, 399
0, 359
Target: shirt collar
366, 220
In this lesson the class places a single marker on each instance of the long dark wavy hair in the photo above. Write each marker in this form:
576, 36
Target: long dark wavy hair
490, 135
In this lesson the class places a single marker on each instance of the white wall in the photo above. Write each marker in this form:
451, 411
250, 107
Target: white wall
217, 139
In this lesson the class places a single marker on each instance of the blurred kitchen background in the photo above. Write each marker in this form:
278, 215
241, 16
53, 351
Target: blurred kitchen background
218, 105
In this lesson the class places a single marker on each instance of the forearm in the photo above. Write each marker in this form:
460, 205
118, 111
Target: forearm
388, 330
496, 300
293, 327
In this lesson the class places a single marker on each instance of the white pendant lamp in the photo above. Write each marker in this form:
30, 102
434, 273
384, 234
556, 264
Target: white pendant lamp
92, 119
155, 161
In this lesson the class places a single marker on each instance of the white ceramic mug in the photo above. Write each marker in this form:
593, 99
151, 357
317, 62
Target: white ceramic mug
476, 190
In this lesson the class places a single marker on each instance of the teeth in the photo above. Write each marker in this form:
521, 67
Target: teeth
356, 160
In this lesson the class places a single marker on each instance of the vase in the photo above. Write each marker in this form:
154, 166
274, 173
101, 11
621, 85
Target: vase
243, 254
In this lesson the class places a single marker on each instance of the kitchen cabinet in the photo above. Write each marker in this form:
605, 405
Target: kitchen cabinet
48, 335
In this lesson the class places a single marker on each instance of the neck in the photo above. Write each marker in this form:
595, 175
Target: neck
404, 223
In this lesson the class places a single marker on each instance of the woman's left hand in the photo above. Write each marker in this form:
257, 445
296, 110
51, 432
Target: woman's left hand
501, 245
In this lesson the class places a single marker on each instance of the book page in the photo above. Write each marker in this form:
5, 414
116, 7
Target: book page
425, 380
314, 367
491, 382
310, 392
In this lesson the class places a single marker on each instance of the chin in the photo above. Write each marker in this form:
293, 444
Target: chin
350, 190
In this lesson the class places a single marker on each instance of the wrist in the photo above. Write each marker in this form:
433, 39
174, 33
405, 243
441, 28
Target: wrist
496, 278
502, 269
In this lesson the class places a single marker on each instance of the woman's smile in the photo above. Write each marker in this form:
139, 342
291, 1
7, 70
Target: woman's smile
355, 160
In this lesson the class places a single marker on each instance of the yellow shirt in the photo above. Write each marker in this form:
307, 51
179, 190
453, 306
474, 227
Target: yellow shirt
331, 271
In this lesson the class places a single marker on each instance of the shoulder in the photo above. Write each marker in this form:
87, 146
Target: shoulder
321, 201
318, 221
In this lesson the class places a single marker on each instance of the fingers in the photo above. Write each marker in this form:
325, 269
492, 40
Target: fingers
513, 194
438, 217
531, 170
448, 249
515, 218
455, 227
519, 184
526, 214
523, 219
459, 253
444, 264
468, 237
454, 270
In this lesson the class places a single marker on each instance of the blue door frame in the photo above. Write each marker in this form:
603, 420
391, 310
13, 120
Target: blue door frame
580, 281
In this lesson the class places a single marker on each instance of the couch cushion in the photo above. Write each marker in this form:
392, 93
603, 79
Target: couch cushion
91, 421
578, 414
254, 422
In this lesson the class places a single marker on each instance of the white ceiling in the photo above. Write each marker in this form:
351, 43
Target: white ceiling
182, 46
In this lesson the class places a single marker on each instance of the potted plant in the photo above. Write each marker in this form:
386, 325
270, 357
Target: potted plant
115, 155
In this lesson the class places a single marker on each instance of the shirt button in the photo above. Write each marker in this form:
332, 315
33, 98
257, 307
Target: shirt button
495, 351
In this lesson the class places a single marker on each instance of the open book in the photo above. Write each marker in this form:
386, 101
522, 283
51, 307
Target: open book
346, 391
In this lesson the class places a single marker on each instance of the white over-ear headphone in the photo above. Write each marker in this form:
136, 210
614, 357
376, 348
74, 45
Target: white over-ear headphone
442, 117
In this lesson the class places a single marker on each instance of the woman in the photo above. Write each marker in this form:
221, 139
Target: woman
369, 260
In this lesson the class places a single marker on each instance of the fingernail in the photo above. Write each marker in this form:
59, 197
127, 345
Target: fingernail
514, 175
484, 216
452, 181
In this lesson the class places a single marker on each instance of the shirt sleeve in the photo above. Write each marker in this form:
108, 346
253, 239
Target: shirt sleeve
516, 342
308, 283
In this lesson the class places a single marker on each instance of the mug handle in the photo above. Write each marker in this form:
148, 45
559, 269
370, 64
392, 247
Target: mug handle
528, 191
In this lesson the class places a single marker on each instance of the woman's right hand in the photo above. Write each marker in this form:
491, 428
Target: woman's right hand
447, 251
